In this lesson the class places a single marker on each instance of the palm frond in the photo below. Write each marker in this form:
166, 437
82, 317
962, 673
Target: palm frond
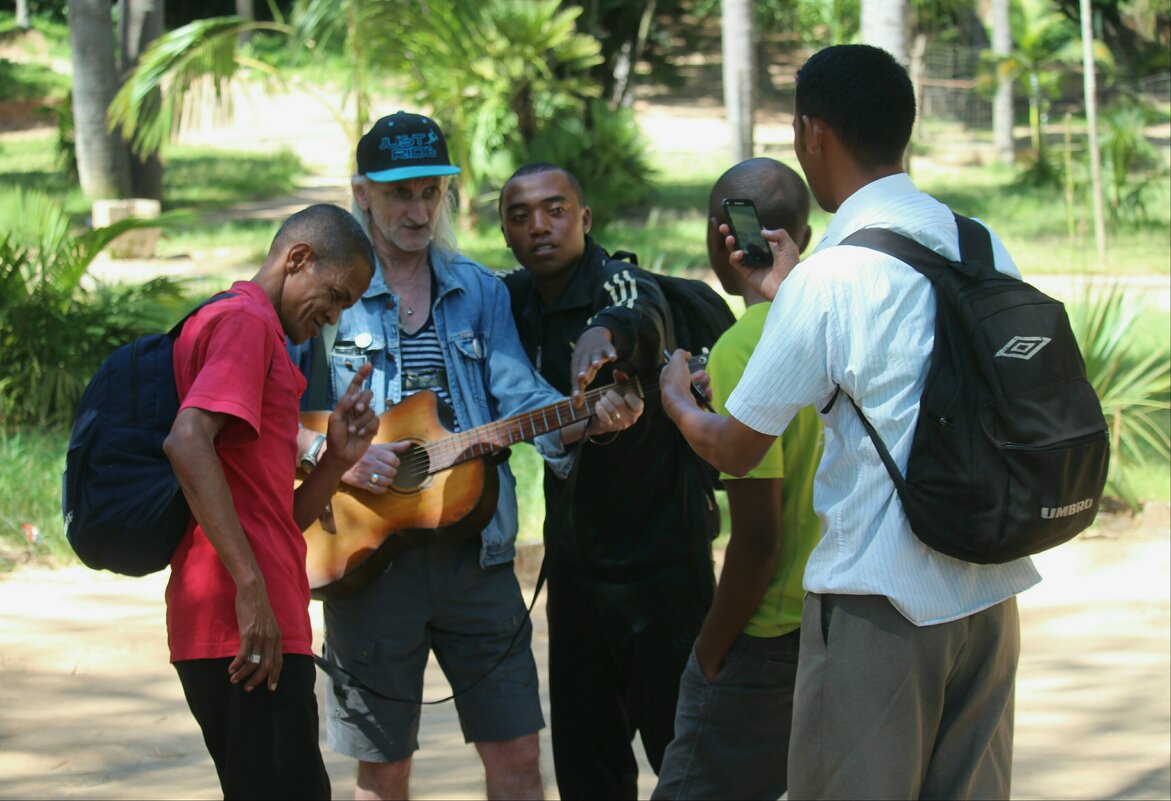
151, 103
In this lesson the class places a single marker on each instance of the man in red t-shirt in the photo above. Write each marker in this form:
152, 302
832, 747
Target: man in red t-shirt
238, 597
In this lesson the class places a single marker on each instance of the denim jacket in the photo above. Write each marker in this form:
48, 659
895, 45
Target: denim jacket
489, 375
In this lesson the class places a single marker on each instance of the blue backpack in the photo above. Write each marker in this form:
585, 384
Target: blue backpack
123, 507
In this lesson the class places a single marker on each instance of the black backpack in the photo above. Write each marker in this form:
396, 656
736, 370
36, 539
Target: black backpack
1010, 451
698, 314
124, 510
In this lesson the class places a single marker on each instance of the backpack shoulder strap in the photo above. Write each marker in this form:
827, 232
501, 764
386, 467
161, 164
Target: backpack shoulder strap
178, 327
976, 256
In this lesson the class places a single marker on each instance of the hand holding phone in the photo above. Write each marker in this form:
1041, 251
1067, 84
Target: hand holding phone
745, 226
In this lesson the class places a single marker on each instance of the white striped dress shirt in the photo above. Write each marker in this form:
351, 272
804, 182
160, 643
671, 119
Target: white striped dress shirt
857, 318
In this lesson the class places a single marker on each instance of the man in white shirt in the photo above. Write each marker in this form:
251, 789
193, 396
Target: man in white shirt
908, 656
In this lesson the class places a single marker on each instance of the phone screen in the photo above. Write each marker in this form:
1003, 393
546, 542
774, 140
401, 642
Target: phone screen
746, 227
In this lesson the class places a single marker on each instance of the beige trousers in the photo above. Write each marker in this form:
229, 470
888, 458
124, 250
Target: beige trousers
887, 709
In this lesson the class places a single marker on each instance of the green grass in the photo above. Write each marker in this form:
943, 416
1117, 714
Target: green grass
49, 38
31, 82
33, 163
206, 179
31, 463
200, 180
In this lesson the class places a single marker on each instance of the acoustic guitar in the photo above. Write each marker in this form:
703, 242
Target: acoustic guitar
446, 487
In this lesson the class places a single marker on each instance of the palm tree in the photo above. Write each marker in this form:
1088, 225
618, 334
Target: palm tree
102, 163
1002, 106
739, 77
106, 167
1045, 44
492, 70
884, 24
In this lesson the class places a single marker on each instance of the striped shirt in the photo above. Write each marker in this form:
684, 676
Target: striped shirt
423, 366
857, 318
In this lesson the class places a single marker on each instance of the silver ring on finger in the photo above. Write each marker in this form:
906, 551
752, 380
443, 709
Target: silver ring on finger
254, 659
374, 480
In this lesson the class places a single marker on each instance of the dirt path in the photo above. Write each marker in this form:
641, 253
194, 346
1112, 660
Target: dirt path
91, 709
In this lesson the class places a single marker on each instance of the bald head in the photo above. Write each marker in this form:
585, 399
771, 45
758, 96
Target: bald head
781, 199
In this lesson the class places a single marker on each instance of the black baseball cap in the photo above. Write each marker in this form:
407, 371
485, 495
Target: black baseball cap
403, 146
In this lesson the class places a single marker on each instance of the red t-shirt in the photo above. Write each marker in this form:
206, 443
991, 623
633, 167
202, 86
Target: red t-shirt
231, 358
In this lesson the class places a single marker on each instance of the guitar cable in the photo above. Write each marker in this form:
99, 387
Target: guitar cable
342, 676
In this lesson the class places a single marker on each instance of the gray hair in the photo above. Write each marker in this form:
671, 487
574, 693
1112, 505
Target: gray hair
443, 233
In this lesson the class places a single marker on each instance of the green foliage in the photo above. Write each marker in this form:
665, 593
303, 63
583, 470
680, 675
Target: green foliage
66, 138
177, 69
1133, 384
512, 69
495, 73
817, 22
33, 163
605, 150
1126, 154
22, 82
31, 463
1045, 46
54, 329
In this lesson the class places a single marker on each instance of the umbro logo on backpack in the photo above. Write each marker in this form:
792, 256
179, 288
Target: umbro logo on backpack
1023, 347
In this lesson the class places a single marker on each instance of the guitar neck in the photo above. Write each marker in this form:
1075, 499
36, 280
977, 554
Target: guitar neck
494, 437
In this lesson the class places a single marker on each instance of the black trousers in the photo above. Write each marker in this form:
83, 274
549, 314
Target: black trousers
616, 653
264, 744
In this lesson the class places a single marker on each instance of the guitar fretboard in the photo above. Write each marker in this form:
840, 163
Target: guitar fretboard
495, 437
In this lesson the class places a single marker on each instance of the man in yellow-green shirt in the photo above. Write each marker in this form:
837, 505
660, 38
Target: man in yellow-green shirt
736, 695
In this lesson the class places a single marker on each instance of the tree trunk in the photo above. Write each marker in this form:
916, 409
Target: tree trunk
1002, 111
1091, 94
624, 83
22, 19
884, 24
244, 9
918, 71
738, 75
101, 155
141, 24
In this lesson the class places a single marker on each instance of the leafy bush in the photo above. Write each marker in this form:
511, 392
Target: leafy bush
31, 463
605, 149
1133, 385
54, 328
1127, 159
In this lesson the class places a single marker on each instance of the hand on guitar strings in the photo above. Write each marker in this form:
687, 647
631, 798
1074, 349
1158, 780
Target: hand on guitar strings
352, 424
376, 470
592, 349
615, 411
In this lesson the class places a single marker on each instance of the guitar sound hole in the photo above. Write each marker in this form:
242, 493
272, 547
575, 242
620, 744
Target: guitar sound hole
414, 467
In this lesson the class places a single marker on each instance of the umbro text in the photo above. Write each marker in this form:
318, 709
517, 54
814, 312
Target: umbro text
1052, 512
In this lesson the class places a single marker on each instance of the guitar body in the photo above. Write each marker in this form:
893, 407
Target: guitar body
367, 530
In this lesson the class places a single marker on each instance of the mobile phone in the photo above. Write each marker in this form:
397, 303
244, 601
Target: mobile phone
745, 227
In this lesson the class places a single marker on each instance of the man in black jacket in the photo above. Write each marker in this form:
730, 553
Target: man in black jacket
628, 534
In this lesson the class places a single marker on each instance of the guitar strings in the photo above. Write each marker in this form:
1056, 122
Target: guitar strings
427, 458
